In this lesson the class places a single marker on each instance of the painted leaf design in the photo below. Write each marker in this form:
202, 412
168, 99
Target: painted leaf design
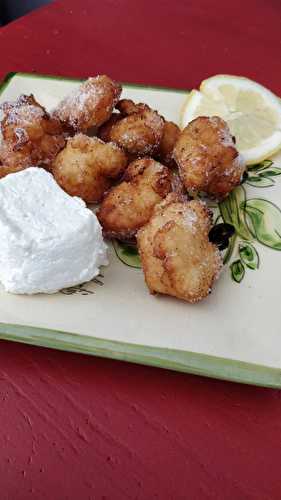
128, 254
237, 271
264, 221
232, 212
218, 220
266, 163
249, 255
271, 172
230, 249
260, 166
260, 181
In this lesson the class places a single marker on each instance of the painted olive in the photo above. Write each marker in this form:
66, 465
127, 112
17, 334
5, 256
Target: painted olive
220, 234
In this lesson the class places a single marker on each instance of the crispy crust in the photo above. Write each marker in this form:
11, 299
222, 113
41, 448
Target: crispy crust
105, 130
90, 105
128, 206
207, 158
128, 107
5, 170
30, 135
87, 167
177, 256
170, 135
137, 129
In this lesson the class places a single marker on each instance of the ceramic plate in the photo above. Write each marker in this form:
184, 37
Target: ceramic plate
234, 334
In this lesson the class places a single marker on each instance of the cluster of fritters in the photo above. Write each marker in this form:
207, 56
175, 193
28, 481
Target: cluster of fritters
145, 173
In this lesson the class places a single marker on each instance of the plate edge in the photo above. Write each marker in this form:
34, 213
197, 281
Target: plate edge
172, 359
9, 76
153, 356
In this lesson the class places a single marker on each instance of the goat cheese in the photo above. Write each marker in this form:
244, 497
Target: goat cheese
49, 240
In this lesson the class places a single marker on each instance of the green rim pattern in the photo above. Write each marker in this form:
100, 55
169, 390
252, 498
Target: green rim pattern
183, 361
39, 76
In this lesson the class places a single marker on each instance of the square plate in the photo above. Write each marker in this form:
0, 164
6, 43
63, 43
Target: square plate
234, 334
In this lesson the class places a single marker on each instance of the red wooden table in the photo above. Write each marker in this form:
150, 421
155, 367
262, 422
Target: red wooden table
77, 427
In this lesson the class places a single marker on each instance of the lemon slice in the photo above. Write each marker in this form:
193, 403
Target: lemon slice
252, 112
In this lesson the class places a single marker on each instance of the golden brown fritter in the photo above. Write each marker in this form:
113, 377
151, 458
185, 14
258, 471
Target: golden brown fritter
30, 136
128, 206
87, 167
170, 135
176, 254
90, 105
139, 136
207, 158
169, 138
105, 130
139, 130
128, 107
5, 170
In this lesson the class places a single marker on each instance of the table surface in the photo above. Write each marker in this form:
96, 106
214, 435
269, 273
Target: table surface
79, 427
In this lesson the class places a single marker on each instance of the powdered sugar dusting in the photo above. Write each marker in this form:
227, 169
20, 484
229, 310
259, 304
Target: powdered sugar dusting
79, 98
21, 134
23, 111
76, 103
190, 219
83, 107
226, 137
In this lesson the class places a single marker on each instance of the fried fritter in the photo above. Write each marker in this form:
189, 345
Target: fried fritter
105, 131
5, 170
128, 206
207, 158
138, 131
128, 107
176, 254
169, 138
90, 105
87, 167
30, 135
139, 138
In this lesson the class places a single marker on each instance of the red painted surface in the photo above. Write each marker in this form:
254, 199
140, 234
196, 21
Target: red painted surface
76, 427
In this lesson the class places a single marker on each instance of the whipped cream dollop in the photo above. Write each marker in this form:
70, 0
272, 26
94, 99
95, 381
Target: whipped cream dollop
49, 240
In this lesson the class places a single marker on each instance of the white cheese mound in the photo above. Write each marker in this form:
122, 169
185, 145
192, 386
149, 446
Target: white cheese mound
49, 240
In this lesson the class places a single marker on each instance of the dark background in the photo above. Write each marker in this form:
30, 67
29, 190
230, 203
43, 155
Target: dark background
11, 9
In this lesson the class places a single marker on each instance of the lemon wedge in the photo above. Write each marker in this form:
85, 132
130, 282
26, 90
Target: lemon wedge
253, 113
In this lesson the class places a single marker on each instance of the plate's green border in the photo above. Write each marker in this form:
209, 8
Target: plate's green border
6, 80
183, 361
